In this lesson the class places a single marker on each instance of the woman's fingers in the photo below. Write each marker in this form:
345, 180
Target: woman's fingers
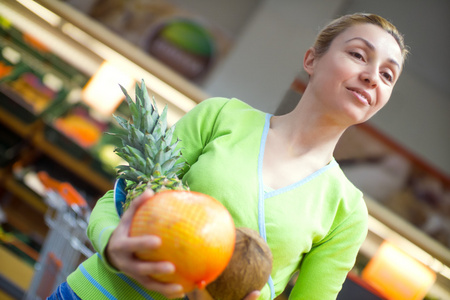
134, 205
169, 290
121, 248
147, 242
253, 295
142, 268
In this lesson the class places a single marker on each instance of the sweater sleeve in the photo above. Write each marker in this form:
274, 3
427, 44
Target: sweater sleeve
324, 269
102, 222
194, 130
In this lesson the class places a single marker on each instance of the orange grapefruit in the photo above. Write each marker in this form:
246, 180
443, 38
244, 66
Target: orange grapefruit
197, 234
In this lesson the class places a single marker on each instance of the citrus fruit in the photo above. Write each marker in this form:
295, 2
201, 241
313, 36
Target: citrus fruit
197, 235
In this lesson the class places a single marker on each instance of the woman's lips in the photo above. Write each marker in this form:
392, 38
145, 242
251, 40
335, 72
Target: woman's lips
362, 96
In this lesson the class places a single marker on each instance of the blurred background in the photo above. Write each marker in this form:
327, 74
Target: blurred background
61, 62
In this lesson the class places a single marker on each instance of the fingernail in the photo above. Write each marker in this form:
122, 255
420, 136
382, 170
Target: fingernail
155, 239
169, 268
178, 289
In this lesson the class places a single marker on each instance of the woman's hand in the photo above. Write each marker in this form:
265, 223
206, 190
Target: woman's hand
204, 295
120, 254
253, 295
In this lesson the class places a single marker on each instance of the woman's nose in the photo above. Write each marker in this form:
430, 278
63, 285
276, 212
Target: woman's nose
370, 78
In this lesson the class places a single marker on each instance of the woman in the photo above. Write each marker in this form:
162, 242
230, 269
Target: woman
275, 174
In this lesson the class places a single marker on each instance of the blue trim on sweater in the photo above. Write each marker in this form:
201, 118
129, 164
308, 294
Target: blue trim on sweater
95, 283
99, 240
275, 192
261, 215
135, 286
125, 278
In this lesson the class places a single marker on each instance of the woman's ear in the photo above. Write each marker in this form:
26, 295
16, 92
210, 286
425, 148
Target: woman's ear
309, 60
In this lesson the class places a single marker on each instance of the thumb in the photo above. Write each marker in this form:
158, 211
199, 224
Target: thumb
136, 203
253, 295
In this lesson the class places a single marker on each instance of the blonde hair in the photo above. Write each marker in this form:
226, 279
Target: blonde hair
337, 26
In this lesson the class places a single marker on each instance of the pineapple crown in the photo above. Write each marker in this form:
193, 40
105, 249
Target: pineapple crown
146, 141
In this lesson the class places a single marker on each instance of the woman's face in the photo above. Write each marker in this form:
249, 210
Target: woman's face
355, 77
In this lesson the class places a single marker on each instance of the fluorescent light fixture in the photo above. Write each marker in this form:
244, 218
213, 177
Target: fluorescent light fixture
57, 43
42, 12
397, 275
64, 47
11, 55
155, 84
102, 92
386, 233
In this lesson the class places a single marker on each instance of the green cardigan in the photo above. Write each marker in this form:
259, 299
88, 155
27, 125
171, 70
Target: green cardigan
314, 227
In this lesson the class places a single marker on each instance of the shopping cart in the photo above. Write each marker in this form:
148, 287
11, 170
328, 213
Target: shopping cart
66, 244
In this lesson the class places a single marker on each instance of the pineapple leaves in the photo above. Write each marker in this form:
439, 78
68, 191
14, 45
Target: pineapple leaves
145, 98
131, 105
149, 166
122, 122
150, 148
138, 161
167, 166
139, 92
163, 119
123, 155
148, 122
155, 106
132, 174
169, 135
137, 138
157, 171
147, 145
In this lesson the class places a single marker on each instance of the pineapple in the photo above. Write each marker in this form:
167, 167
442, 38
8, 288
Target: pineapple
147, 147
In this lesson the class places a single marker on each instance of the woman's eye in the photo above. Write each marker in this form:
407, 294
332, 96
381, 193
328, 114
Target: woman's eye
357, 55
388, 76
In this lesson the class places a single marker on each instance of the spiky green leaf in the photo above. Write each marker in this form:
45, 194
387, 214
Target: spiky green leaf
139, 161
151, 148
150, 165
146, 98
163, 119
137, 138
125, 156
125, 124
131, 105
168, 165
138, 94
157, 170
